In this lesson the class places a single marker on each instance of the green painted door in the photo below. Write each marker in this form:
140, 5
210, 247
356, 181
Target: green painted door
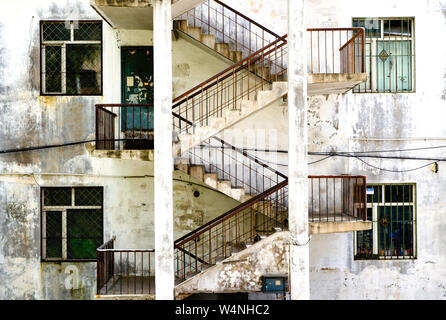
137, 88
394, 65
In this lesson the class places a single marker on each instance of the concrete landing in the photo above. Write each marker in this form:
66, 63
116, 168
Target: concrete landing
337, 83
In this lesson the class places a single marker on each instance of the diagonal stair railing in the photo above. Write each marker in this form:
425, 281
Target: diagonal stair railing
227, 89
240, 34
330, 199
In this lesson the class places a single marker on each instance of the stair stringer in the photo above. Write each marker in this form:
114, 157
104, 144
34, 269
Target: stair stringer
242, 271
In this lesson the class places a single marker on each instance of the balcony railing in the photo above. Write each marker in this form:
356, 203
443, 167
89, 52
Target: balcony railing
241, 33
336, 50
331, 199
337, 198
124, 126
125, 271
232, 164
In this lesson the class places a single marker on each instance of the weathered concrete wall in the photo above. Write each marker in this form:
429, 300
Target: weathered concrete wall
377, 121
29, 119
243, 271
350, 122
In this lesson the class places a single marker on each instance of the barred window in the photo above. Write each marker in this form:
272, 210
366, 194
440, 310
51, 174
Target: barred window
71, 57
389, 54
72, 222
392, 210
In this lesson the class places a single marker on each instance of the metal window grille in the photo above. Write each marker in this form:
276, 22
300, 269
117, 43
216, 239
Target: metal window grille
72, 222
71, 57
389, 54
392, 210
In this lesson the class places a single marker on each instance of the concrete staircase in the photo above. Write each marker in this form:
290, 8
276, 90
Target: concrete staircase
212, 180
245, 108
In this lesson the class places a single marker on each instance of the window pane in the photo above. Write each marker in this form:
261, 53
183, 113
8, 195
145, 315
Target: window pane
84, 223
56, 31
57, 196
395, 231
397, 28
394, 65
90, 31
53, 234
53, 69
84, 68
82, 248
399, 193
88, 196
84, 233
372, 27
364, 248
376, 197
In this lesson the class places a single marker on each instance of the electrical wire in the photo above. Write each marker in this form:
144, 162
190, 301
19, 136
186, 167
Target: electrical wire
362, 154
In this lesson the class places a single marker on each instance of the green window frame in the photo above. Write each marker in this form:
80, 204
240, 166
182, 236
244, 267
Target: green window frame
71, 57
72, 223
392, 210
389, 55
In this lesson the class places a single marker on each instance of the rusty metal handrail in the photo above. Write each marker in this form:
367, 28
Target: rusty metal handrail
228, 25
334, 42
118, 276
341, 198
254, 57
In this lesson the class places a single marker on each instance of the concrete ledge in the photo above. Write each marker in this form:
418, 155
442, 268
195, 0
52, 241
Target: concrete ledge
337, 227
123, 3
145, 155
333, 83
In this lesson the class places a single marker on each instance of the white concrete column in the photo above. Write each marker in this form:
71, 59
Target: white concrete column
163, 165
297, 152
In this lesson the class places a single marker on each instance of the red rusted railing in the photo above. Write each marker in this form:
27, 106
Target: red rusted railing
231, 231
242, 34
336, 50
331, 199
233, 164
337, 198
124, 126
227, 89
124, 271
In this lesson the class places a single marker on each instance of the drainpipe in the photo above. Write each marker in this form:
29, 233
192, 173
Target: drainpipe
299, 276
163, 161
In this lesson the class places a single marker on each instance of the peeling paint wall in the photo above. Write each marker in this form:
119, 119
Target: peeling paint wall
28, 119
335, 123
243, 271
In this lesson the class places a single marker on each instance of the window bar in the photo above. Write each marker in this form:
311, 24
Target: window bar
142, 271
326, 197
134, 271
319, 194
120, 272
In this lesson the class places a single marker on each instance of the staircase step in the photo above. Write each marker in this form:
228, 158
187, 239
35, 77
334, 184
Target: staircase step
197, 171
224, 186
236, 56
211, 179
208, 40
247, 197
232, 115
222, 48
248, 107
217, 122
181, 25
238, 193
182, 164
194, 32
